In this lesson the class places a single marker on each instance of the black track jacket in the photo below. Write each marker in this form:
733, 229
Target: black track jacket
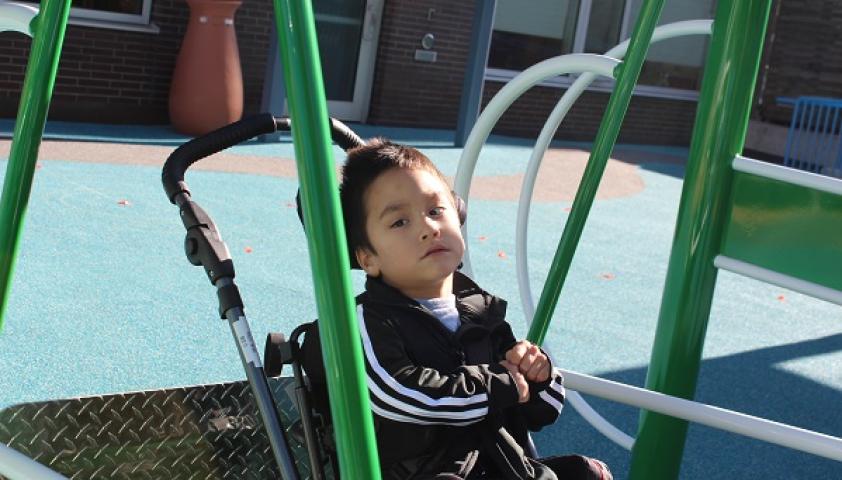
442, 402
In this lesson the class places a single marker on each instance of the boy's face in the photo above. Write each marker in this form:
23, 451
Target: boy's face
413, 226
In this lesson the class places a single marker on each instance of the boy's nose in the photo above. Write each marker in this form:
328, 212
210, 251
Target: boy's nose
429, 227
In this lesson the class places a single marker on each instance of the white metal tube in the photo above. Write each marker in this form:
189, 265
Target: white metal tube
17, 466
16, 17
664, 32
769, 276
789, 175
528, 187
723, 419
573, 63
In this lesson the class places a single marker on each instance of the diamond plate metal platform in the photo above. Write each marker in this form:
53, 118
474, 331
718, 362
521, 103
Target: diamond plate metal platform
188, 433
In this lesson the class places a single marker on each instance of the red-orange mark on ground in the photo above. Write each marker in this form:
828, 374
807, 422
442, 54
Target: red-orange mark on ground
124, 203
781, 298
248, 250
501, 254
608, 276
482, 238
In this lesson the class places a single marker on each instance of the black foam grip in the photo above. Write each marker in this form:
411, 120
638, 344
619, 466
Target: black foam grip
344, 136
340, 133
189, 153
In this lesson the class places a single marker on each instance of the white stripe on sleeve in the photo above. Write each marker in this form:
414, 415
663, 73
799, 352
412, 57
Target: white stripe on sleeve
437, 406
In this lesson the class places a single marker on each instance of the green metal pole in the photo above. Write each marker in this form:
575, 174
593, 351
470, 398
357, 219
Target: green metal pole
719, 133
32, 115
349, 402
609, 129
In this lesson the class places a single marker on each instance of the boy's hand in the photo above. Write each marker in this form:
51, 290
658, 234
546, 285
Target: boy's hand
530, 360
520, 381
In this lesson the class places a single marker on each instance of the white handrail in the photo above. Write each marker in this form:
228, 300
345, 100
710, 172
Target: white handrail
571, 63
786, 281
789, 175
750, 426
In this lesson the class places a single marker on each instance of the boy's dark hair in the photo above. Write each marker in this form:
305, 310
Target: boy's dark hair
362, 166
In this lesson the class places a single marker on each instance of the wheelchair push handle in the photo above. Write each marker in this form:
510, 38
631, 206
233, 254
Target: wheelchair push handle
203, 246
218, 140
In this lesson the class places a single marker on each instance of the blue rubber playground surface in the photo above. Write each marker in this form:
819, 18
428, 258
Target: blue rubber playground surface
104, 301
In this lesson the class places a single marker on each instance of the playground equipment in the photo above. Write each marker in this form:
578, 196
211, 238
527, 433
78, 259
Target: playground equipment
732, 213
711, 233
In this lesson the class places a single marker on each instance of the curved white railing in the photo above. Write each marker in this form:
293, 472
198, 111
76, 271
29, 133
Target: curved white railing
747, 425
17, 17
565, 64
492, 113
664, 32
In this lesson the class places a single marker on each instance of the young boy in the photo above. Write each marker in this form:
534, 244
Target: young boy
454, 394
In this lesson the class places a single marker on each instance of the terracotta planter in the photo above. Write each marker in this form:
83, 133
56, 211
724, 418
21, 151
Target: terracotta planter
207, 85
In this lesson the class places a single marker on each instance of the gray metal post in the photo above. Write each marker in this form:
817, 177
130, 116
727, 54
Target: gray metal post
274, 93
475, 71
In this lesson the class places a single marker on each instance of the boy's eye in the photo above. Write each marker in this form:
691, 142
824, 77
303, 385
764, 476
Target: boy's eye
398, 223
435, 212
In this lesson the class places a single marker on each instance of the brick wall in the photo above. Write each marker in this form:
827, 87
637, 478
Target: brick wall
410, 93
803, 55
124, 77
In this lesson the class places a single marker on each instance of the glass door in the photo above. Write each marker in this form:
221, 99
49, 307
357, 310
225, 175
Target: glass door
347, 31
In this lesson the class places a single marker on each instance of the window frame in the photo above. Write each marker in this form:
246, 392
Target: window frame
87, 17
599, 84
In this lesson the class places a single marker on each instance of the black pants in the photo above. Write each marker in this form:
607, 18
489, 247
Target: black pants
577, 467
567, 467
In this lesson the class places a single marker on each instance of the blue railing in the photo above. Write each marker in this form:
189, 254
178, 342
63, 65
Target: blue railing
813, 142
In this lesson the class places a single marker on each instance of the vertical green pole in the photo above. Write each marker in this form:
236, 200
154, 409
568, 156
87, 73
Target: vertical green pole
349, 403
32, 115
719, 133
609, 130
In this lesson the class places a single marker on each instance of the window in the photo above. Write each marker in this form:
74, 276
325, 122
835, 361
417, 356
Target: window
118, 14
678, 62
528, 32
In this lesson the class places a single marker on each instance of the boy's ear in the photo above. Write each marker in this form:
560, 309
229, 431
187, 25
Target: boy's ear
368, 261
